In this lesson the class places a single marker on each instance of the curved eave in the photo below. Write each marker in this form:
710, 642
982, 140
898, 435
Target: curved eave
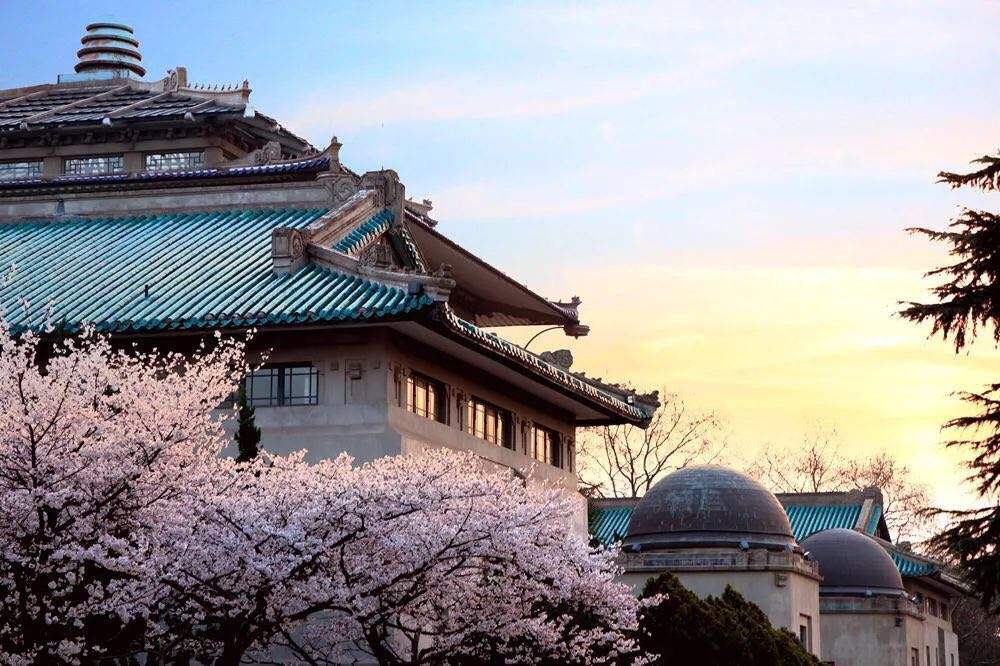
512, 303
606, 408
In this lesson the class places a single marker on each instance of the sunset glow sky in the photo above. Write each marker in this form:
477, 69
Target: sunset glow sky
725, 188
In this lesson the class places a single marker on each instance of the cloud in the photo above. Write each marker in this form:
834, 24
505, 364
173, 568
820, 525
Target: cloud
855, 151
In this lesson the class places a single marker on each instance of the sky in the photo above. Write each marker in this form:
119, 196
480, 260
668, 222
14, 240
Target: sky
726, 186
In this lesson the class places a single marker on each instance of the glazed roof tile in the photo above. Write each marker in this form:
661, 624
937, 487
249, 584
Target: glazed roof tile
178, 271
362, 235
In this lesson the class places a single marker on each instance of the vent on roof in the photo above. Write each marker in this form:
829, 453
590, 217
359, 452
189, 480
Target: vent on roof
110, 50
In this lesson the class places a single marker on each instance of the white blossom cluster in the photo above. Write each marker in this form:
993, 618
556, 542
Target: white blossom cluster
124, 533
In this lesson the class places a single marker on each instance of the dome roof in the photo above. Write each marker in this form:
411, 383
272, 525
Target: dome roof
709, 505
853, 563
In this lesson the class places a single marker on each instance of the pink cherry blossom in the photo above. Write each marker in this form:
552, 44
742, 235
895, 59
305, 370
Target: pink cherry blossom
123, 531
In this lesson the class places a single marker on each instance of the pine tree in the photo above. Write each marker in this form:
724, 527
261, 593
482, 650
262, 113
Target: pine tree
967, 301
717, 631
247, 433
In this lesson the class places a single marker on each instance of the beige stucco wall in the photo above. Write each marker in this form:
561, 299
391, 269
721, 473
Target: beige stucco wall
364, 418
784, 604
865, 639
933, 628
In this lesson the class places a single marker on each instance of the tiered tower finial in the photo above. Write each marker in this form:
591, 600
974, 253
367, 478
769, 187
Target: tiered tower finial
110, 49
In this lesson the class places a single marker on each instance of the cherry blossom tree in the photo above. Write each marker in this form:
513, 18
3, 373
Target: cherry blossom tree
92, 444
124, 532
463, 563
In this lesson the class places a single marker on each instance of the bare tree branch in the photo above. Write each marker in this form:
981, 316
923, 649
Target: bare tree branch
624, 461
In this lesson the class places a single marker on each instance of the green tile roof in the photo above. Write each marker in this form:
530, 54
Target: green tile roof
365, 233
610, 524
178, 271
910, 566
807, 520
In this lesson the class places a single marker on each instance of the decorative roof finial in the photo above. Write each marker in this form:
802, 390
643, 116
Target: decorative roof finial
111, 50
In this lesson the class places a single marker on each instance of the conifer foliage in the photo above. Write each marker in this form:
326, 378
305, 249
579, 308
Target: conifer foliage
247, 433
717, 631
966, 301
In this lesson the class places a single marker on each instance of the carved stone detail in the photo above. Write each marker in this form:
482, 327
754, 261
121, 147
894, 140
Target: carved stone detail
377, 255
288, 249
271, 152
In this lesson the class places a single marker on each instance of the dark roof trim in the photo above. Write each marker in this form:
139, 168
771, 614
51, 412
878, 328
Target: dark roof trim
443, 320
17, 186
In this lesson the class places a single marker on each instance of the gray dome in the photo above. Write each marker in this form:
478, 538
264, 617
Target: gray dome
708, 506
853, 563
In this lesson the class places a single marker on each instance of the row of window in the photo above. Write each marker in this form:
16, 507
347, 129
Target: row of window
290, 384
932, 606
104, 165
915, 657
426, 397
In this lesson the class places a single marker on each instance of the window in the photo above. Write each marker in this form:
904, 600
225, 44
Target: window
545, 446
95, 166
284, 384
928, 655
489, 422
30, 169
425, 397
943, 608
914, 657
805, 631
180, 161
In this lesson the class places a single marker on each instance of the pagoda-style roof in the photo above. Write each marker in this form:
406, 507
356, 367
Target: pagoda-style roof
199, 271
179, 272
145, 207
106, 105
61, 106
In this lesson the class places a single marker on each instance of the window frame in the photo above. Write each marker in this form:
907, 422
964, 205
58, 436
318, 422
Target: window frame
435, 397
115, 165
34, 168
551, 440
502, 431
281, 385
189, 165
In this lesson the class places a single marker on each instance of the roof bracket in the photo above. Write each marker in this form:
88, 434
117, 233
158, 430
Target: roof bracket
288, 250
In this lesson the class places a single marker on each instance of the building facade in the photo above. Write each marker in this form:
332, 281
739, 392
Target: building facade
159, 211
